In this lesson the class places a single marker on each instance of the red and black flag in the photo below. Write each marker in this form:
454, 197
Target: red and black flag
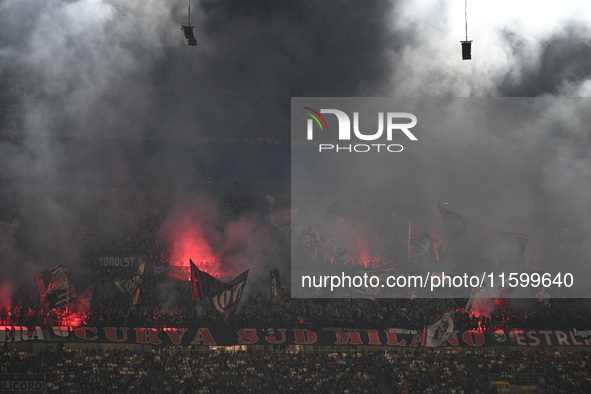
202, 283
454, 223
226, 298
55, 287
421, 243
82, 303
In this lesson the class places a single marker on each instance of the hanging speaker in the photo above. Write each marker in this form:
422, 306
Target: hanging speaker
466, 50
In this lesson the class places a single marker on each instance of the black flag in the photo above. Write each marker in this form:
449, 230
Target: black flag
277, 290
202, 283
226, 298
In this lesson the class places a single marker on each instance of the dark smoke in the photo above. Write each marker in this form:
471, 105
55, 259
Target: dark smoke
102, 99
562, 65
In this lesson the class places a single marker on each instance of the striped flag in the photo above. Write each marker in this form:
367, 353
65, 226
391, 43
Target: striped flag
82, 303
55, 287
202, 283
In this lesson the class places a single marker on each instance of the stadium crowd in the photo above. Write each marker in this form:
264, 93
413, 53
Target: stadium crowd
419, 371
257, 308
165, 301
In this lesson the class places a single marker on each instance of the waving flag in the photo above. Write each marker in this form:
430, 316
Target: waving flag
81, 304
440, 331
131, 285
55, 287
202, 284
226, 298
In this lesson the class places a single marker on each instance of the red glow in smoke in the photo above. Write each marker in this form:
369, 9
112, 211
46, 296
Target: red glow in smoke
190, 244
71, 320
363, 251
5, 294
190, 231
355, 237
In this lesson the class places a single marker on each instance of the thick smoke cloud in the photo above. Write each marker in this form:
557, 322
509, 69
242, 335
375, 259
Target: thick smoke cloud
561, 67
101, 97
507, 165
